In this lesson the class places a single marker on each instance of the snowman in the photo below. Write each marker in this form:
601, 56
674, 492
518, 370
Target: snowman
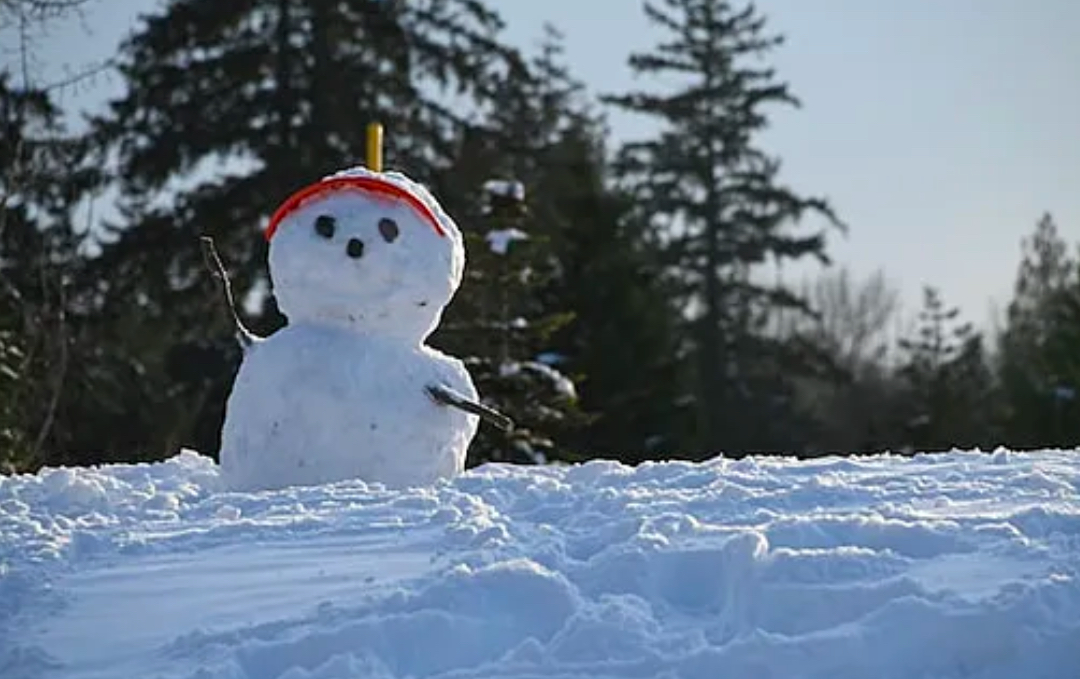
362, 265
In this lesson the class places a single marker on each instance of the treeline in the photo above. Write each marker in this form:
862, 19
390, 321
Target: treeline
623, 306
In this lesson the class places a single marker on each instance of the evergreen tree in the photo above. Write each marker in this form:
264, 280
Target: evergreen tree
1038, 362
1062, 353
505, 331
949, 385
717, 200
504, 318
623, 339
592, 306
229, 108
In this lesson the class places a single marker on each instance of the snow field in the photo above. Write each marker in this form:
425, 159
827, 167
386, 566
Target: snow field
945, 566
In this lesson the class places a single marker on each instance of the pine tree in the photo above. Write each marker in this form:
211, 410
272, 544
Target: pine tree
503, 317
1038, 361
623, 339
593, 307
619, 340
716, 199
950, 389
1062, 353
509, 332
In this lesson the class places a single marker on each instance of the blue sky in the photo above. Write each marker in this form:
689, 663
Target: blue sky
941, 131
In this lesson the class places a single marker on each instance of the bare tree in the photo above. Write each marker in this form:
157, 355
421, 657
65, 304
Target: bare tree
24, 21
41, 10
36, 331
856, 317
855, 325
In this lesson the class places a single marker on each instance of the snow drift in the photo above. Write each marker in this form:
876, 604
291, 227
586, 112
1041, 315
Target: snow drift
945, 566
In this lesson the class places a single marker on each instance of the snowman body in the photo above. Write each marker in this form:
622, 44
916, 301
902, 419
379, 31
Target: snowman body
362, 265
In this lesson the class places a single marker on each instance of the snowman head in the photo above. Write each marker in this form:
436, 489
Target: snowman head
372, 251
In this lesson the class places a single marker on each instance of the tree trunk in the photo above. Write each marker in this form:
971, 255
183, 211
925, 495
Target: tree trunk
285, 100
317, 140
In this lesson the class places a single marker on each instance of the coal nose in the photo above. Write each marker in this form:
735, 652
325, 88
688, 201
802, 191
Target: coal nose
355, 248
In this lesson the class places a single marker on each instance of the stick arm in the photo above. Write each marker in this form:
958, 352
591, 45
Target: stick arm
213, 262
444, 395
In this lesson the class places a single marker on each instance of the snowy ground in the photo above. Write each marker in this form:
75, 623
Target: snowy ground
942, 566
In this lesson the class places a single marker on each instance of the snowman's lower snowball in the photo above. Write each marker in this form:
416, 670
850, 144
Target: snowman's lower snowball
312, 405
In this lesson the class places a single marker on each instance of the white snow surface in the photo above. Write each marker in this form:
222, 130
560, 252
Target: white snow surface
562, 384
341, 391
500, 240
937, 566
315, 404
507, 188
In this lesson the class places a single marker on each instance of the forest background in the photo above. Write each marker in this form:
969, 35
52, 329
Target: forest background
644, 309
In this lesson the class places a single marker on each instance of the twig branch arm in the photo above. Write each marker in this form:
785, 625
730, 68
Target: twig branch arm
213, 262
445, 396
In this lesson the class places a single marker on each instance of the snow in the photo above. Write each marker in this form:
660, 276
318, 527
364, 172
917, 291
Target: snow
499, 240
363, 277
948, 565
505, 188
562, 384
551, 358
315, 404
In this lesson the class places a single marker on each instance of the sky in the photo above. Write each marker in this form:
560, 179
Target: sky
940, 131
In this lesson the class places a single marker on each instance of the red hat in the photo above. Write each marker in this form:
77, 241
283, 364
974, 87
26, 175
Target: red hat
367, 183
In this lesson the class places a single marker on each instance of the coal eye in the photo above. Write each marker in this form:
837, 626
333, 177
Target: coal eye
324, 226
389, 229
